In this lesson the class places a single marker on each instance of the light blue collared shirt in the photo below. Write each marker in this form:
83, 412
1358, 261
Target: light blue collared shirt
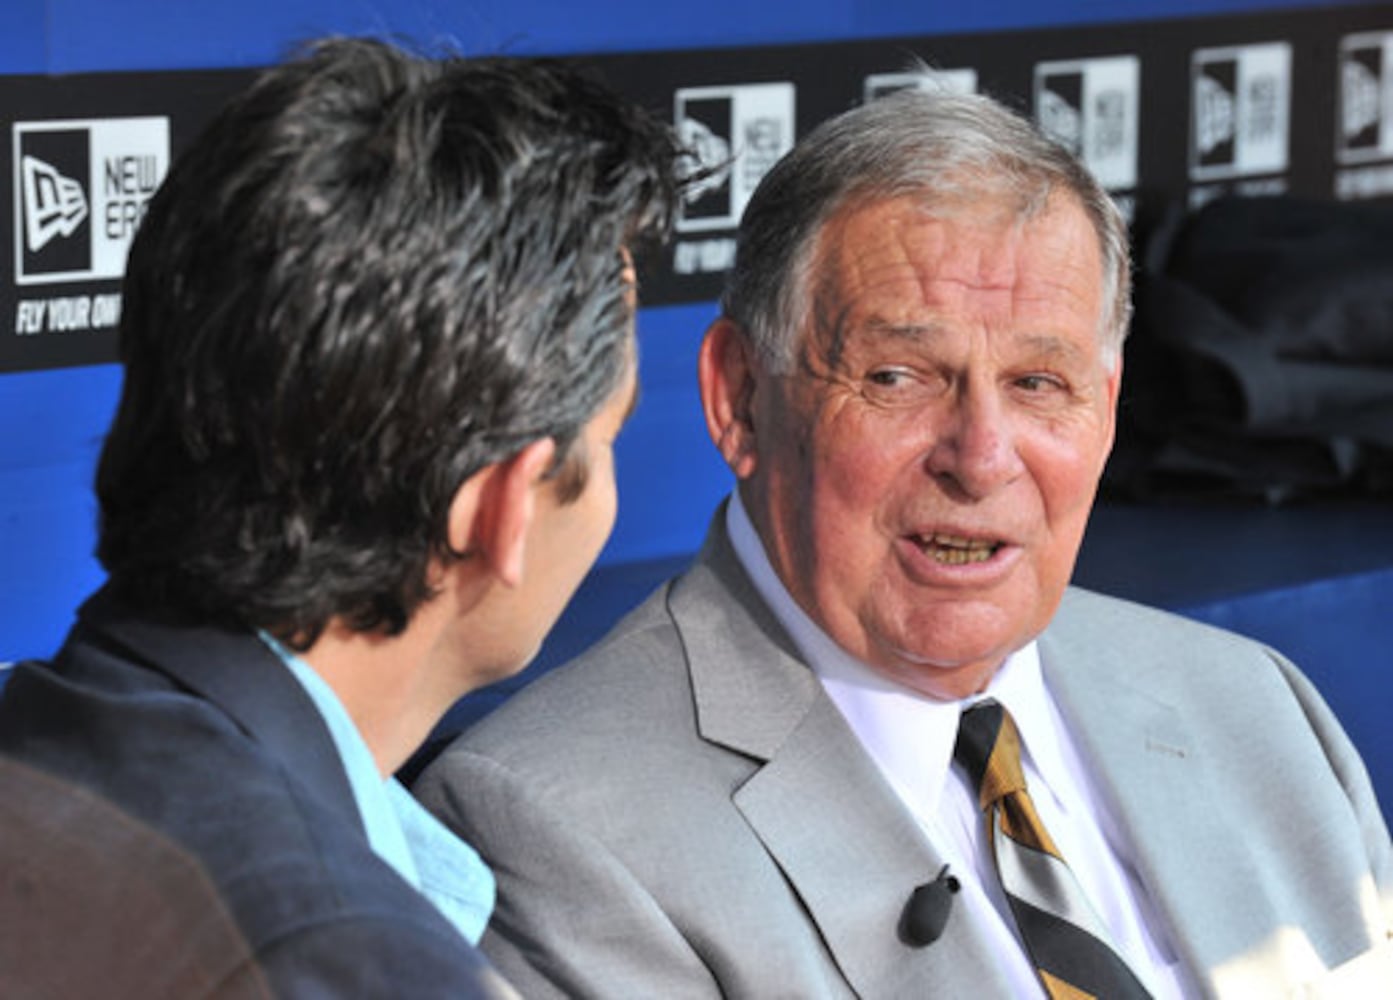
435, 862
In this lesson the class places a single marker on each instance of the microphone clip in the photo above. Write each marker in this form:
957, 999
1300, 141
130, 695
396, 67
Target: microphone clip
926, 913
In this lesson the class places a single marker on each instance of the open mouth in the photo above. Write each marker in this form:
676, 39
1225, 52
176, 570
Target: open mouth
955, 550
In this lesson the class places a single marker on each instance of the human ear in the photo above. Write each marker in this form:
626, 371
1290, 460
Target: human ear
1113, 389
727, 373
493, 509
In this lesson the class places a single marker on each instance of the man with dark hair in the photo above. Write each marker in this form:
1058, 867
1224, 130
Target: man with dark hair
871, 743
378, 342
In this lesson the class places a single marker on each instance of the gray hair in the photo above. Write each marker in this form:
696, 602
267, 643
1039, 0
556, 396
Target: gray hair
929, 143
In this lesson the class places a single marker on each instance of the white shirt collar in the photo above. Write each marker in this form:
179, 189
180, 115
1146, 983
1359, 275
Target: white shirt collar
908, 734
911, 737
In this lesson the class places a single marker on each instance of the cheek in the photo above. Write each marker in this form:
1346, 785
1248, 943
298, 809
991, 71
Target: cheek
863, 450
866, 480
1066, 476
605, 504
610, 513
581, 528
875, 469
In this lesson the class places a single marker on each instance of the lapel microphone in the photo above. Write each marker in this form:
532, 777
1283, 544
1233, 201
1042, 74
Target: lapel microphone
926, 913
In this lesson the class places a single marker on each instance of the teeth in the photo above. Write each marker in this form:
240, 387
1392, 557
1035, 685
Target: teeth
954, 550
959, 557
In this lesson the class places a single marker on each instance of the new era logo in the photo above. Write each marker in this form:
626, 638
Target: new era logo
738, 133
1091, 107
80, 192
54, 205
1365, 128
1240, 107
1059, 108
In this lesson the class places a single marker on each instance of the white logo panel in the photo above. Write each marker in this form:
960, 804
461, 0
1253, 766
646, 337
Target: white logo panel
80, 191
1091, 107
739, 132
1240, 110
1364, 126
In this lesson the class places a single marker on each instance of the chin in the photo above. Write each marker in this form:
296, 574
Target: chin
946, 683
948, 671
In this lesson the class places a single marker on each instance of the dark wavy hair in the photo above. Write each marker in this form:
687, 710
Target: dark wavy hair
374, 274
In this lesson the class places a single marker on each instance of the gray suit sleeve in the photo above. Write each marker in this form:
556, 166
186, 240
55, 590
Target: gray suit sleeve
1353, 777
574, 922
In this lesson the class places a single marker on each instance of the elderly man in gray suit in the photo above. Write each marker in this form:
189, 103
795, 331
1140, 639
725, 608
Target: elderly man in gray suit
872, 744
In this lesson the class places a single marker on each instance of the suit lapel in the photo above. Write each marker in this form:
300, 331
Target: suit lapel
818, 803
1161, 790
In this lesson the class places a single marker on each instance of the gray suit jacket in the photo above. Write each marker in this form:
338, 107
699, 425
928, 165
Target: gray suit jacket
684, 813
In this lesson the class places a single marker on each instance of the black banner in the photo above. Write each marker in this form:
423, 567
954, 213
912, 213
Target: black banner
85, 154
1165, 113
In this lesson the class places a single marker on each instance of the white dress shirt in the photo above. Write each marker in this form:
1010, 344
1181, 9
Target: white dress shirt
910, 736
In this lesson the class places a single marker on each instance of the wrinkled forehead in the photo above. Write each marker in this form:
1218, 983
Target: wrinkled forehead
886, 260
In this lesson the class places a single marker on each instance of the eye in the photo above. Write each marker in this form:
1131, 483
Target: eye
899, 386
1036, 382
888, 378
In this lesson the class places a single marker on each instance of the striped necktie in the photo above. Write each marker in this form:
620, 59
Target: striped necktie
1065, 940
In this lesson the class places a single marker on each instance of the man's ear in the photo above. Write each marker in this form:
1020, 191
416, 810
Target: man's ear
1113, 388
727, 371
493, 509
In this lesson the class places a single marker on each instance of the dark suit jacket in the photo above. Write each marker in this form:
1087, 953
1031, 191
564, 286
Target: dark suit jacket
94, 903
204, 736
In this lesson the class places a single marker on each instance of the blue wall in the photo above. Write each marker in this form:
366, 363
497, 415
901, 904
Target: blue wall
51, 422
72, 36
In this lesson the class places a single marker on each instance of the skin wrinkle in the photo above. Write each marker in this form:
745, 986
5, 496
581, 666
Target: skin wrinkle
990, 272
1013, 221
830, 315
952, 380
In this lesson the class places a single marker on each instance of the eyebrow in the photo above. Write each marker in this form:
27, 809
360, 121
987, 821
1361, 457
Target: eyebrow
1042, 343
1055, 347
901, 331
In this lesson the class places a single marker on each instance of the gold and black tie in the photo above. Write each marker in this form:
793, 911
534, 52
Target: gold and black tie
1065, 940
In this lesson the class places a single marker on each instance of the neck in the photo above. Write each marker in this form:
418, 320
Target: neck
386, 684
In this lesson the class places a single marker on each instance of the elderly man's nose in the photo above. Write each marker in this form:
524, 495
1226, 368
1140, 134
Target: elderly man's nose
975, 450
